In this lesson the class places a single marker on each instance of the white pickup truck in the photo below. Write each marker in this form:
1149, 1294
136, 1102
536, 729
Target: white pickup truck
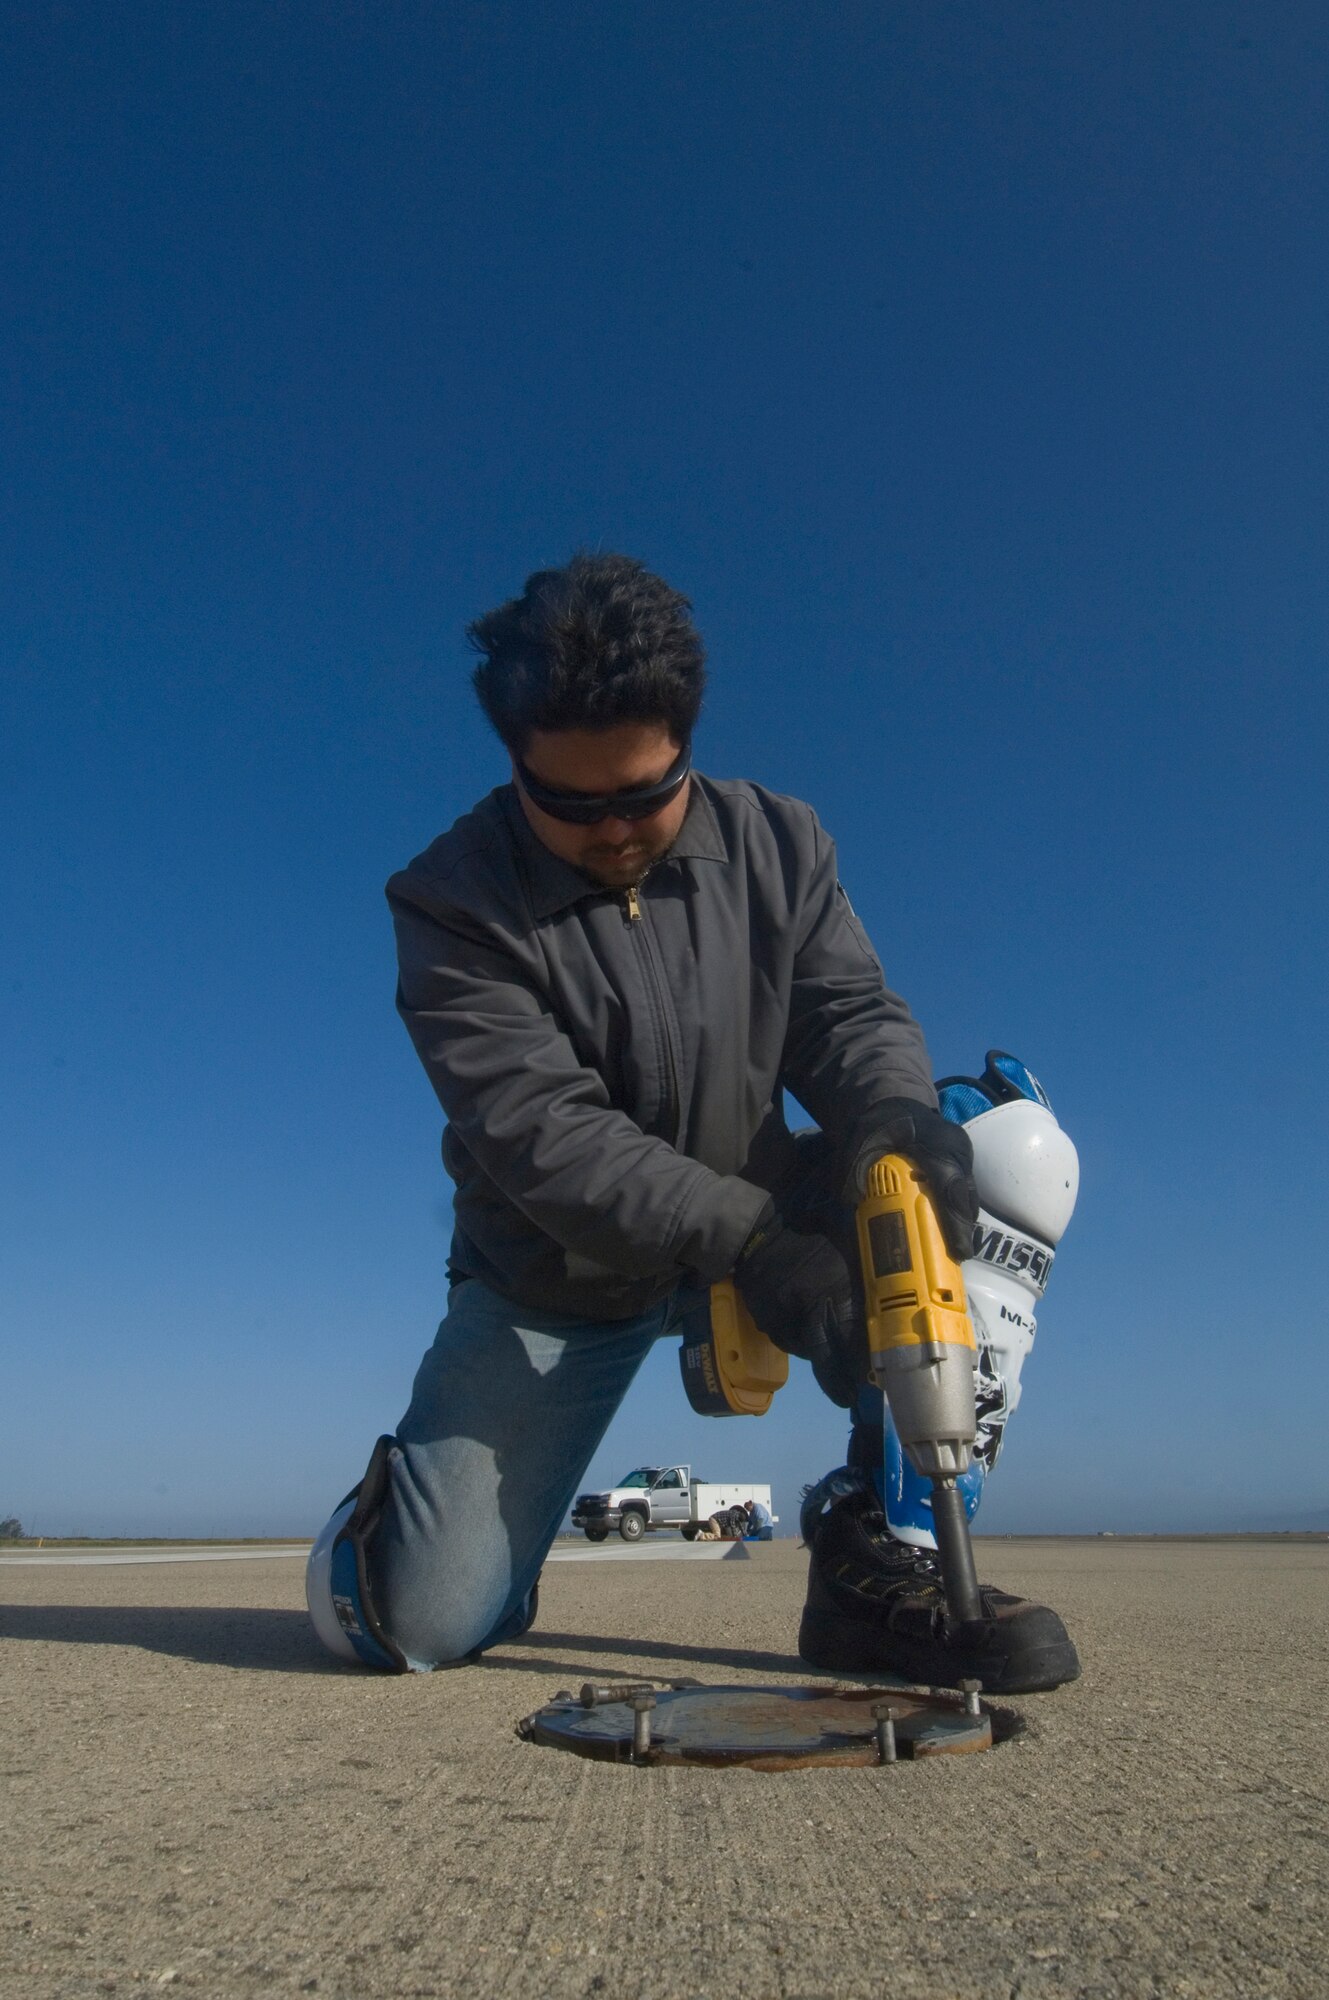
666, 1496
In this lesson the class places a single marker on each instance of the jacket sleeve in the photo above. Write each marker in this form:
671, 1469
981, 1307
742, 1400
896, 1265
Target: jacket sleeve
539, 1123
851, 1042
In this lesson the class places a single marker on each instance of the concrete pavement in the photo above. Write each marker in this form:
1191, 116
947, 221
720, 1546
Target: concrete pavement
196, 1798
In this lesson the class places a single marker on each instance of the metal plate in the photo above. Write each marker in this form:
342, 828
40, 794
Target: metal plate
763, 1728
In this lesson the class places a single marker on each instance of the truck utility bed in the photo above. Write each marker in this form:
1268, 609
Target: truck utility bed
667, 1496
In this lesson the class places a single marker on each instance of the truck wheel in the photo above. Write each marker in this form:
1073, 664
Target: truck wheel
689, 1531
633, 1525
597, 1534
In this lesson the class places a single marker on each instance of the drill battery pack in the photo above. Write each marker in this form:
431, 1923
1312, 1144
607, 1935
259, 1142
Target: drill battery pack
729, 1367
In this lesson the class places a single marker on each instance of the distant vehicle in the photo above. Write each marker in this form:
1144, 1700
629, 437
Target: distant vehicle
666, 1496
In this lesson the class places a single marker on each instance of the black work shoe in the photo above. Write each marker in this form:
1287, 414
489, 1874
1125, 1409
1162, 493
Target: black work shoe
875, 1605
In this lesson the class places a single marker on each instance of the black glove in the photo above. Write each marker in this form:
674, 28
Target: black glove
940, 1150
800, 1289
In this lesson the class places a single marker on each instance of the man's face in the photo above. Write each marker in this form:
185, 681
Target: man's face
616, 852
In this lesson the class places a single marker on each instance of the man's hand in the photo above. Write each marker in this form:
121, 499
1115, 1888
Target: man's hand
942, 1153
801, 1293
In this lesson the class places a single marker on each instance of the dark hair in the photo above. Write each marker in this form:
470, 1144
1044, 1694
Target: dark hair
597, 642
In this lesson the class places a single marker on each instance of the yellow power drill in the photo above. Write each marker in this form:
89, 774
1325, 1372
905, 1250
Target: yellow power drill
921, 1352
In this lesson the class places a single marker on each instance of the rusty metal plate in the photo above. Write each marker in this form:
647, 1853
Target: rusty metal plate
764, 1728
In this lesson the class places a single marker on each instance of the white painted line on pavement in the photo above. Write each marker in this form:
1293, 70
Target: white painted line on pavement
670, 1551
94, 1558
660, 1551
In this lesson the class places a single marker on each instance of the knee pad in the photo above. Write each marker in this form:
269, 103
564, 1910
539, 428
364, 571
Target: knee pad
1025, 1167
337, 1588
1027, 1174
1027, 1177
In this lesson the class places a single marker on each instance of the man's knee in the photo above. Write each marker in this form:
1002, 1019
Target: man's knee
440, 1618
377, 1604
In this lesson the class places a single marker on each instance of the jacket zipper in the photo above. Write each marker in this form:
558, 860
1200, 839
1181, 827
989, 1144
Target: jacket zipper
632, 910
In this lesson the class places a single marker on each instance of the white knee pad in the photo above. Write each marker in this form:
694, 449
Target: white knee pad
1027, 1174
1025, 1168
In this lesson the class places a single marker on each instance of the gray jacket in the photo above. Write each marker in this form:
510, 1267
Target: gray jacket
612, 1085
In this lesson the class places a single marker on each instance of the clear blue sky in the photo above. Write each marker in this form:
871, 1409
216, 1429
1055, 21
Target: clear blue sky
964, 363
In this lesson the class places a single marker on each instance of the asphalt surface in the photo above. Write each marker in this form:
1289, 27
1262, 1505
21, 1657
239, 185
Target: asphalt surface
195, 1797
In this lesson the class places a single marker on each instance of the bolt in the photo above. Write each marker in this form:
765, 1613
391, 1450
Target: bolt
971, 1690
642, 1704
885, 1721
595, 1694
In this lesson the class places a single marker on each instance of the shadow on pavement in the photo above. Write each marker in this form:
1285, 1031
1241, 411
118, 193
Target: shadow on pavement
647, 1649
283, 1642
274, 1642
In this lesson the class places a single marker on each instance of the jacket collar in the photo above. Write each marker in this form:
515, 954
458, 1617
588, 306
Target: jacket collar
555, 885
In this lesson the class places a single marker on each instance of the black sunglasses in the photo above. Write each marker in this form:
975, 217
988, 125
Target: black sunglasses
586, 809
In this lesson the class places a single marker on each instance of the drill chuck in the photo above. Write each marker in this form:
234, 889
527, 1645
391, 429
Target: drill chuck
931, 1394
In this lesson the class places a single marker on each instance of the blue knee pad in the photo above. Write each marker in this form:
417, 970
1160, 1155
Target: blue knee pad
337, 1587
339, 1593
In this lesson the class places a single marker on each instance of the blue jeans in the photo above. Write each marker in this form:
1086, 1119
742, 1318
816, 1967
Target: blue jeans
507, 1410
